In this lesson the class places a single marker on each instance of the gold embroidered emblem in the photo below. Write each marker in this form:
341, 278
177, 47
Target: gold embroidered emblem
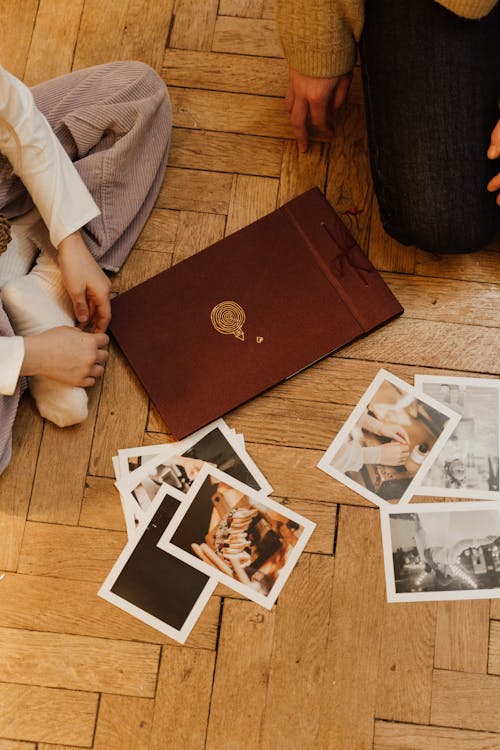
259, 339
228, 317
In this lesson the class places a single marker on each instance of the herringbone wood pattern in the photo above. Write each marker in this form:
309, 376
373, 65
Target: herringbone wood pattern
333, 667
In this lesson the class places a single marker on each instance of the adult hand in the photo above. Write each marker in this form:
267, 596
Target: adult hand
394, 454
395, 432
494, 153
87, 285
314, 99
67, 355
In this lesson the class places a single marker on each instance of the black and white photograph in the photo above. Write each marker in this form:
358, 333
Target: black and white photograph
244, 539
442, 551
152, 585
389, 441
178, 464
467, 465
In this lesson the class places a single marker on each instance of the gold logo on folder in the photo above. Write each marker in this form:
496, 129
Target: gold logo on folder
228, 317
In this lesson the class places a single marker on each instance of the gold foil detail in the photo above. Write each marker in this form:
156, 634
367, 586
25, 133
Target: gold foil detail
228, 318
259, 339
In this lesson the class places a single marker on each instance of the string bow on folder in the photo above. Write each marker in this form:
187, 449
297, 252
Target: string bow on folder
337, 263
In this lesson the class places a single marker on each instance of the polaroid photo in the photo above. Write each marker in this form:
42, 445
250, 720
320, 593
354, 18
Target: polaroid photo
239, 537
467, 465
442, 551
130, 521
389, 442
178, 465
153, 586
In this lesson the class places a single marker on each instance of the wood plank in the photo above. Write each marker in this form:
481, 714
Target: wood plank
350, 684
462, 636
324, 515
225, 152
349, 187
453, 302
195, 190
140, 266
413, 737
494, 648
230, 113
185, 679
269, 9
101, 506
57, 605
15, 745
481, 266
243, 8
62, 468
196, 232
19, 19
193, 30
159, 232
245, 648
246, 74
47, 715
16, 482
293, 701
70, 552
468, 701
248, 36
406, 660
135, 30
56, 27
251, 198
78, 663
386, 253
495, 609
300, 172
122, 414
123, 723
429, 343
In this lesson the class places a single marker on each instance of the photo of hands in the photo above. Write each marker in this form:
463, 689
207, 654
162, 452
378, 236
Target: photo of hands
390, 441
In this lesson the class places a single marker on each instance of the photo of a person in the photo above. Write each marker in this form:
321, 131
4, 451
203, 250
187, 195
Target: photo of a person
389, 440
467, 465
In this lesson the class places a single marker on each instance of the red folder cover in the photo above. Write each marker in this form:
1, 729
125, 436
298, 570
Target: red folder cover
249, 311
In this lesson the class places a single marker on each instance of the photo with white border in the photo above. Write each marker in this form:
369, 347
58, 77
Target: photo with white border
468, 464
442, 551
389, 441
153, 586
244, 539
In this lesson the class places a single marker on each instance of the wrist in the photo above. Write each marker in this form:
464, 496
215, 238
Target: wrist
32, 353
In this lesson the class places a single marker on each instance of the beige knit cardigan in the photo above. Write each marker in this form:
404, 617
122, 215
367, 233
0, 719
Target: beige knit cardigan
319, 36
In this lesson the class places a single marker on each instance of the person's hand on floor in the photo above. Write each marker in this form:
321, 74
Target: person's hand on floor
87, 285
67, 355
314, 99
494, 153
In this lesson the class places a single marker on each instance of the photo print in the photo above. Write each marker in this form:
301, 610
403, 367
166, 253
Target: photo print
442, 551
389, 441
468, 464
243, 539
178, 465
153, 586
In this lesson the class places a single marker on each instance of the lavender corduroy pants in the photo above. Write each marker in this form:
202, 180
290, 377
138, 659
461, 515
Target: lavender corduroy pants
114, 121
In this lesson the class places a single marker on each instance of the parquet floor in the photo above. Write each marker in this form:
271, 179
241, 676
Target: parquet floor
332, 667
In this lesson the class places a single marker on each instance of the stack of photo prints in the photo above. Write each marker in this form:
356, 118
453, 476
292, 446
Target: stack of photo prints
198, 511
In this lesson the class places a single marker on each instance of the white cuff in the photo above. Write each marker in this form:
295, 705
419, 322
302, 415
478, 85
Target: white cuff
11, 359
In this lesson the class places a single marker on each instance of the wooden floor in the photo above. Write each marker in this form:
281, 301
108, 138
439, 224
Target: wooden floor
332, 666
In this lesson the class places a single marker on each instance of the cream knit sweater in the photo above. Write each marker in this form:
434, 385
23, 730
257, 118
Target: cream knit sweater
319, 36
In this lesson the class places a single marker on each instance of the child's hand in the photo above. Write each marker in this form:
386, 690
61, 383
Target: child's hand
494, 153
87, 285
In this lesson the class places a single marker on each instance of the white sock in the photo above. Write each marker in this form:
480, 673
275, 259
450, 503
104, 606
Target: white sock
35, 303
21, 251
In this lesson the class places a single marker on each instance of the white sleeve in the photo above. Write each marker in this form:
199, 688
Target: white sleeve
37, 157
11, 359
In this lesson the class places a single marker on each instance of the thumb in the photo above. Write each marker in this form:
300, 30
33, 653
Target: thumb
80, 307
494, 149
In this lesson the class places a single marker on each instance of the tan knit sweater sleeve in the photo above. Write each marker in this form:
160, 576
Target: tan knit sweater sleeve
319, 36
